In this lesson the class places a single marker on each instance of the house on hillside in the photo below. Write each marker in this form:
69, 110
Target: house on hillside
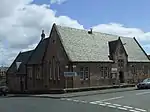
95, 59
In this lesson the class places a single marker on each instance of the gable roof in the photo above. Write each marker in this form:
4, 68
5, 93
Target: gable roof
82, 46
37, 55
22, 57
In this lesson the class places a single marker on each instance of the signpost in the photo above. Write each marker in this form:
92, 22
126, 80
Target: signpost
69, 74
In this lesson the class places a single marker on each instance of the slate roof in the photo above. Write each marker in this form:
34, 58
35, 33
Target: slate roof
22, 57
82, 46
38, 53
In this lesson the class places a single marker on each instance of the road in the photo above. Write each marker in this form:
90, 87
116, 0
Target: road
128, 101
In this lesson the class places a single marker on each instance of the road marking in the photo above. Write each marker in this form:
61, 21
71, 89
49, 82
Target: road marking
112, 106
140, 109
93, 103
68, 99
122, 108
128, 107
142, 93
116, 105
134, 111
112, 98
76, 100
84, 101
98, 101
107, 103
102, 104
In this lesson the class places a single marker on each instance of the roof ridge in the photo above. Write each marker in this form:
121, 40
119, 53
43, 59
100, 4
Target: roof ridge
94, 31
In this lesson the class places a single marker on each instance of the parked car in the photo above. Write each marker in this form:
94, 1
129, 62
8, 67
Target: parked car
3, 90
145, 84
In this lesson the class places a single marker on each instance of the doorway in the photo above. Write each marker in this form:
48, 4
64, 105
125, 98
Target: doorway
121, 77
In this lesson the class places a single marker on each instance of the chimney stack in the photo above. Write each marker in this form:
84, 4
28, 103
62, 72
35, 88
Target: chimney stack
42, 35
90, 32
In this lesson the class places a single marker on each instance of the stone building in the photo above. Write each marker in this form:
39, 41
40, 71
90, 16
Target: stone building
96, 58
3, 71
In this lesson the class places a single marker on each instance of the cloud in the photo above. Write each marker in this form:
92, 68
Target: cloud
21, 23
57, 1
120, 29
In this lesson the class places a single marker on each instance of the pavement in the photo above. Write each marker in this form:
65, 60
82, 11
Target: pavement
87, 93
75, 94
125, 101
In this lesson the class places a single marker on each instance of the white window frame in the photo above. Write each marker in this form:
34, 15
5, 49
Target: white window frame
82, 73
104, 72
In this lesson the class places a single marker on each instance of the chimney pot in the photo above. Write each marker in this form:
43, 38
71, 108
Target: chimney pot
90, 31
42, 35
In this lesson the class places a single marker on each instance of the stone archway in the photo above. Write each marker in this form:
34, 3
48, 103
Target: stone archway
121, 77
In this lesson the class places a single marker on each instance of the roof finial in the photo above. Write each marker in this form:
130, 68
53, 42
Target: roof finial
42, 35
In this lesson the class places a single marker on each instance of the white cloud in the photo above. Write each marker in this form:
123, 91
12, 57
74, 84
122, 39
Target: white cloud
21, 23
119, 29
57, 1
21, 26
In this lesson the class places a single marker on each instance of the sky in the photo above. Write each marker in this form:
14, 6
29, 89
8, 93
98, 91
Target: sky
21, 21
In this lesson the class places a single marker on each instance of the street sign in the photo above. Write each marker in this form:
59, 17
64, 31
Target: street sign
70, 74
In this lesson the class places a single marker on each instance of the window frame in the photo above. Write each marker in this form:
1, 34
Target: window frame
81, 73
54, 68
104, 72
86, 73
49, 69
30, 72
58, 71
120, 63
38, 72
